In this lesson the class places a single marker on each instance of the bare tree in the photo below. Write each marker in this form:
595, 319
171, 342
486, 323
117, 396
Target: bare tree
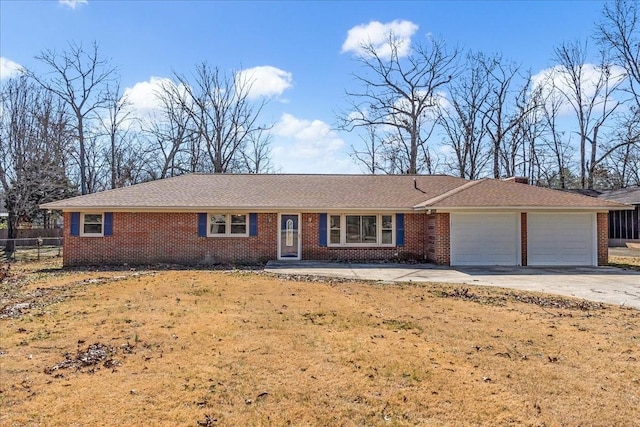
114, 125
518, 146
174, 145
506, 110
464, 122
554, 138
79, 77
399, 96
256, 155
223, 114
371, 155
34, 137
619, 32
591, 100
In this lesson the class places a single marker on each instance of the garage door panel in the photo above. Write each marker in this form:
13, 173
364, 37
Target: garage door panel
560, 238
484, 239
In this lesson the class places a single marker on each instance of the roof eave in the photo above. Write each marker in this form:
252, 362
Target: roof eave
264, 209
524, 208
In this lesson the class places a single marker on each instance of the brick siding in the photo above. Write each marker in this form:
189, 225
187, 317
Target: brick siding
603, 238
149, 238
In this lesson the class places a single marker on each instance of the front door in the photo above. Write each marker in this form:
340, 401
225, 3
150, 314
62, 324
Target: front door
289, 237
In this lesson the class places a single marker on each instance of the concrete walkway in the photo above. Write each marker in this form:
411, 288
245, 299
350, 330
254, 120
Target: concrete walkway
601, 284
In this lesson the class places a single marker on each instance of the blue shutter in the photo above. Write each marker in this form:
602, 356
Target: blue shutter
75, 223
253, 224
202, 225
108, 223
322, 230
399, 229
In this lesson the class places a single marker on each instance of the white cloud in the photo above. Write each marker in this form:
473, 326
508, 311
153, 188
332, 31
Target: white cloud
143, 95
308, 146
265, 81
376, 35
554, 82
8, 68
72, 3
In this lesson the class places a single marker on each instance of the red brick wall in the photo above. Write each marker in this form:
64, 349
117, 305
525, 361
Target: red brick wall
438, 238
148, 238
603, 238
523, 237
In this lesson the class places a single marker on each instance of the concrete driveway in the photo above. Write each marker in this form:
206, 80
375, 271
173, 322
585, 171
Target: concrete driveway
601, 284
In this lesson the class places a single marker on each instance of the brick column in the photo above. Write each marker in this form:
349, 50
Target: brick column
523, 237
442, 241
603, 237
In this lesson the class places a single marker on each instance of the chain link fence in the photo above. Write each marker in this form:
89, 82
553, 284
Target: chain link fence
31, 249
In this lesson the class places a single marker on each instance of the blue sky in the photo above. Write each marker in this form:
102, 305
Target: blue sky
303, 40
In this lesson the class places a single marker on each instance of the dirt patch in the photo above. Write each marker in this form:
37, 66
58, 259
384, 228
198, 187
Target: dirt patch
93, 356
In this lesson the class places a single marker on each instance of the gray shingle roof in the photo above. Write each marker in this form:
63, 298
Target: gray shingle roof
629, 195
324, 192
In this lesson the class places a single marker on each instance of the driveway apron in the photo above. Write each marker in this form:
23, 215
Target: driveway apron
601, 284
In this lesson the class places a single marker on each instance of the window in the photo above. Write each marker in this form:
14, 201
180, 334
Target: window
228, 225
361, 230
92, 225
334, 230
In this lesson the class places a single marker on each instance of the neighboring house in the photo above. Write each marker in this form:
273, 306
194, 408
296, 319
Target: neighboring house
624, 226
204, 219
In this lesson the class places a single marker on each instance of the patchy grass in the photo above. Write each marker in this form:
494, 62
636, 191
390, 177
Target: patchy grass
626, 262
240, 348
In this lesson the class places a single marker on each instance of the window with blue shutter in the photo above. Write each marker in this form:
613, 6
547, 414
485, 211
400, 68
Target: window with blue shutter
322, 230
75, 223
399, 229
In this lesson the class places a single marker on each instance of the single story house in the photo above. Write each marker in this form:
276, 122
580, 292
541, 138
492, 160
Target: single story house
624, 225
221, 218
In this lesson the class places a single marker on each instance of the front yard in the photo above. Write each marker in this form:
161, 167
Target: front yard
197, 347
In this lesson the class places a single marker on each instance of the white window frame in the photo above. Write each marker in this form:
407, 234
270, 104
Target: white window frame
227, 227
343, 231
82, 223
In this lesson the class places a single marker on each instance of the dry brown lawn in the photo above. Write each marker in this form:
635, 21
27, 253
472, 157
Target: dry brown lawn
188, 347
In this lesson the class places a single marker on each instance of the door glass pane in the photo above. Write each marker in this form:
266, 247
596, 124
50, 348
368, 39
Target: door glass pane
289, 236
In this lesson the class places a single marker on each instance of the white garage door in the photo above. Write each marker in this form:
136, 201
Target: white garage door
561, 239
485, 239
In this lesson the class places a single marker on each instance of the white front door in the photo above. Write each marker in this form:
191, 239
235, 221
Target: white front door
289, 236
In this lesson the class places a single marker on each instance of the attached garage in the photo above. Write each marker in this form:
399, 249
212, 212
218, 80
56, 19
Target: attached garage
485, 238
561, 239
